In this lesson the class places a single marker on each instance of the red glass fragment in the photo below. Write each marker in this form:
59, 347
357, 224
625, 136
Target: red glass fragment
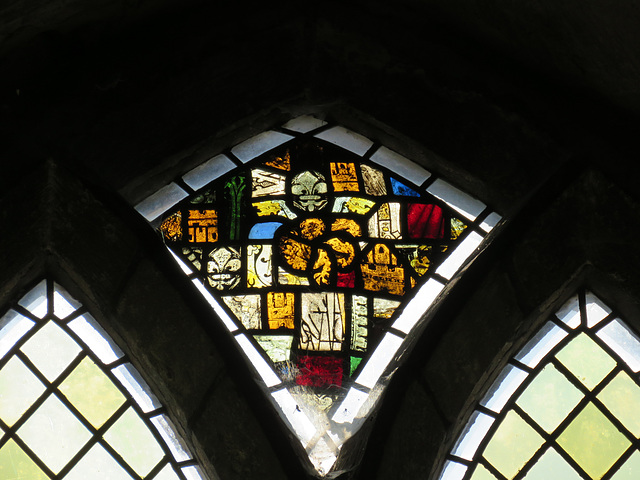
319, 371
347, 279
425, 221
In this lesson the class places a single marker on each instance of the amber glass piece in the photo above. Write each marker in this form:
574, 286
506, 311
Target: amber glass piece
322, 321
344, 177
344, 251
593, 441
281, 163
280, 310
296, 254
586, 360
311, 228
15, 464
171, 227
322, 267
549, 398
622, 397
92, 392
512, 445
203, 226
348, 225
382, 272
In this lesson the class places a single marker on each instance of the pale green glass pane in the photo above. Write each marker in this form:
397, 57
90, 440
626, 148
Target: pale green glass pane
19, 388
586, 360
92, 392
167, 473
97, 464
54, 434
551, 466
16, 465
482, 473
51, 350
593, 441
131, 438
630, 470
622, 398
512, 445
549, 398
278, 347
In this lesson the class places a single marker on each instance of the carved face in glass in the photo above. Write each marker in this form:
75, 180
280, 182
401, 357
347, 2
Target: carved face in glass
309, 190
223, 268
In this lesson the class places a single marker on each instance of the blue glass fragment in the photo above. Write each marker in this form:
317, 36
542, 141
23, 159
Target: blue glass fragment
262, 231
402, 189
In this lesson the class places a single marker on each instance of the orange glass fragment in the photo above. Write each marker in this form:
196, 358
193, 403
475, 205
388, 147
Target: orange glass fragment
381, 271
280, 310
348, 225
344, 251
203, 226
344, 177
311, 228
171, 227
296, 254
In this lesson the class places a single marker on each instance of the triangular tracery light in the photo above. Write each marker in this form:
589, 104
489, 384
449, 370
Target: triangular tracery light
72, 407
320, 251
565, 407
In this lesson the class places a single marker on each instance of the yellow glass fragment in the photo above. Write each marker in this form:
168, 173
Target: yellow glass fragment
171, 227
281, 163
622, 398
268, 207
593, 441
15, 464
586, 360
203, 226
359, 206
481, 473
296, 254
382, 271
280, 310
457, 227
311, 228
322, 268
348, 225
512, 445
344, 251
344, 177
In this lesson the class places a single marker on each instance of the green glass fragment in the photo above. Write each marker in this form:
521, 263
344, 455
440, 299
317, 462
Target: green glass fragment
593, 441
234, 193
622, 398
586, 360
549, 398
355, 361
278, 347
512, 445
92, 392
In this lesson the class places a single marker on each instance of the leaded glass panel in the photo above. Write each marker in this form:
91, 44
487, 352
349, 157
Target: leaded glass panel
572, 412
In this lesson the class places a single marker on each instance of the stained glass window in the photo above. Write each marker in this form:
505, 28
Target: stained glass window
72, 407
565, 407
320, 251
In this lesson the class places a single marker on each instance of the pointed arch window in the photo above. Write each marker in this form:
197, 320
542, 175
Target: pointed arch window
565, 406
320, 251
72, 407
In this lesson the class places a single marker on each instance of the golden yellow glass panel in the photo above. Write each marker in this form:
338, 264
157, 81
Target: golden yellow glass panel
630, 470
171, 227
16, 465
344, 177
19, 388
51, 350
552, 466
593, 441
280, 309
512, 445
92, 392
54, 434
622, 397
97, 464
131, 438
348, 225
481, 473
549, 398
382, 271
203, 226
586, 360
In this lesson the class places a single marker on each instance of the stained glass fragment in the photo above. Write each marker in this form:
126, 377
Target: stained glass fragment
356, 205
171, 227
359, 323
385, 222
264, 231
266, 183
246, 308
457, 227
320, 371
202, 226
354, 362
273, 207
259, 274
382, 272
223, 268
344, 177
280, 310
400, 188
373, 180
323, 320
418, 256
278, 347
194, 255
281, 163
234, 192
383, 308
